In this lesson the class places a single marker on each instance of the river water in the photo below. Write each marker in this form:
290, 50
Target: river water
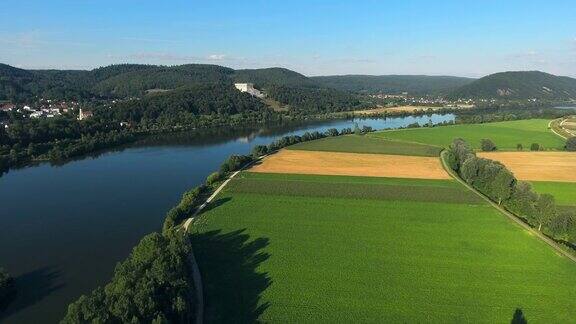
63, 228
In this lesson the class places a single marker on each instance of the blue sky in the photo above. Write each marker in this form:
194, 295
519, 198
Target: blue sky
465, 38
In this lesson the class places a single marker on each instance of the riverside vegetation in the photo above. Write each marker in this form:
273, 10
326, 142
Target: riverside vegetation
166, 294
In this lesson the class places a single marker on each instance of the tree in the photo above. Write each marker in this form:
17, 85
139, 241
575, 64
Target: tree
153, 284
213, 178
562, 222
487, 145
7, 289
519, 147
523, 200
259, 150
332, 132
571, 144
357, 129
518, 317
503, 184
535, 147
545, 210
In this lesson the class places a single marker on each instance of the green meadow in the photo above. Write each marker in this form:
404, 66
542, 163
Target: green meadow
336, 253
366, 144
563, 192
506, 135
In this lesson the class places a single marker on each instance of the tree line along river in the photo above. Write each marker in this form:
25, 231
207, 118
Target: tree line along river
63, 228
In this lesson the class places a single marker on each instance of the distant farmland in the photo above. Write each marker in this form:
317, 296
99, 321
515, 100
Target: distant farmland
538, 166
365, 144
270, 253
353, 164
506, 135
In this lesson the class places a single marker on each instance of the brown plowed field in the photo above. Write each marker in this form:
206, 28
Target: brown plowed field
352, 164
538, 166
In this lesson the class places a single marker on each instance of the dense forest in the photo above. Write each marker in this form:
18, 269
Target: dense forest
394, 84
519, 85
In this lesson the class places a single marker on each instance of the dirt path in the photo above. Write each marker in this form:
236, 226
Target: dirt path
510, 216
554, 131
196, 277
216, 192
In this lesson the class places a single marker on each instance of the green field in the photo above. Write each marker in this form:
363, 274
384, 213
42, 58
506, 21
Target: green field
506, 135
270, 254
563, 192
365, 144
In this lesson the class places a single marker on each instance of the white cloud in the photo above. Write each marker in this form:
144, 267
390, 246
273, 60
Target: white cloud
217, 57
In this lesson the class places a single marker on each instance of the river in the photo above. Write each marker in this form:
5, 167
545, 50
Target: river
63, 228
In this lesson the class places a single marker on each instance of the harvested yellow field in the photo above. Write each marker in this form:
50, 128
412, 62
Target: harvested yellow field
403, 109
538, 166
381, 110
352, 164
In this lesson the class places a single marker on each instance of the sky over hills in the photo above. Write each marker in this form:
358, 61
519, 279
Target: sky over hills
464, 38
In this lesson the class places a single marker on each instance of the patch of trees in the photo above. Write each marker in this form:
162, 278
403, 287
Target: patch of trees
487, 145
264, 78
20, 147
314, 99
190, 201
495, 181
506, 112
184, 102
153, 285
7, 289
393, 84
518, 85
571, 144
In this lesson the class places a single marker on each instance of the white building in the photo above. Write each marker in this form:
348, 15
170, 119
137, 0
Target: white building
84, 114
249, 88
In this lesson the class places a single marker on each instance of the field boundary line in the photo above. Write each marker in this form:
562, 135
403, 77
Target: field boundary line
554, 131
508, 214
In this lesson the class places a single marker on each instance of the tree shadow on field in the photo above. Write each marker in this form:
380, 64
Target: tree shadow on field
232, 285
518, 317
216, 203
32, 287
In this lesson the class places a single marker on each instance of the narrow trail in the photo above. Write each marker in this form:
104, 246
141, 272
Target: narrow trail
554, 131
214, 194
196, 276
509, 215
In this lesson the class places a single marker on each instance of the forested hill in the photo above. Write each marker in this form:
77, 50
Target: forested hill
394, 84
263, 78
128, 81
519, 85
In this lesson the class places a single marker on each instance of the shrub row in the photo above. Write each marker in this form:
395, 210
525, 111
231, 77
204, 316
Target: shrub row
285, 141
7, 289
495, 181
191, 200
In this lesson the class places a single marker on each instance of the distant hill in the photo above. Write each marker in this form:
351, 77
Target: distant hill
394, 84
263, 78
287, 87
124, 80
519, 85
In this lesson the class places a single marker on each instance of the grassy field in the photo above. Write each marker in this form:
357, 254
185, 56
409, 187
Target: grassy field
564, 192
506, 135
365, 144
269, 253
